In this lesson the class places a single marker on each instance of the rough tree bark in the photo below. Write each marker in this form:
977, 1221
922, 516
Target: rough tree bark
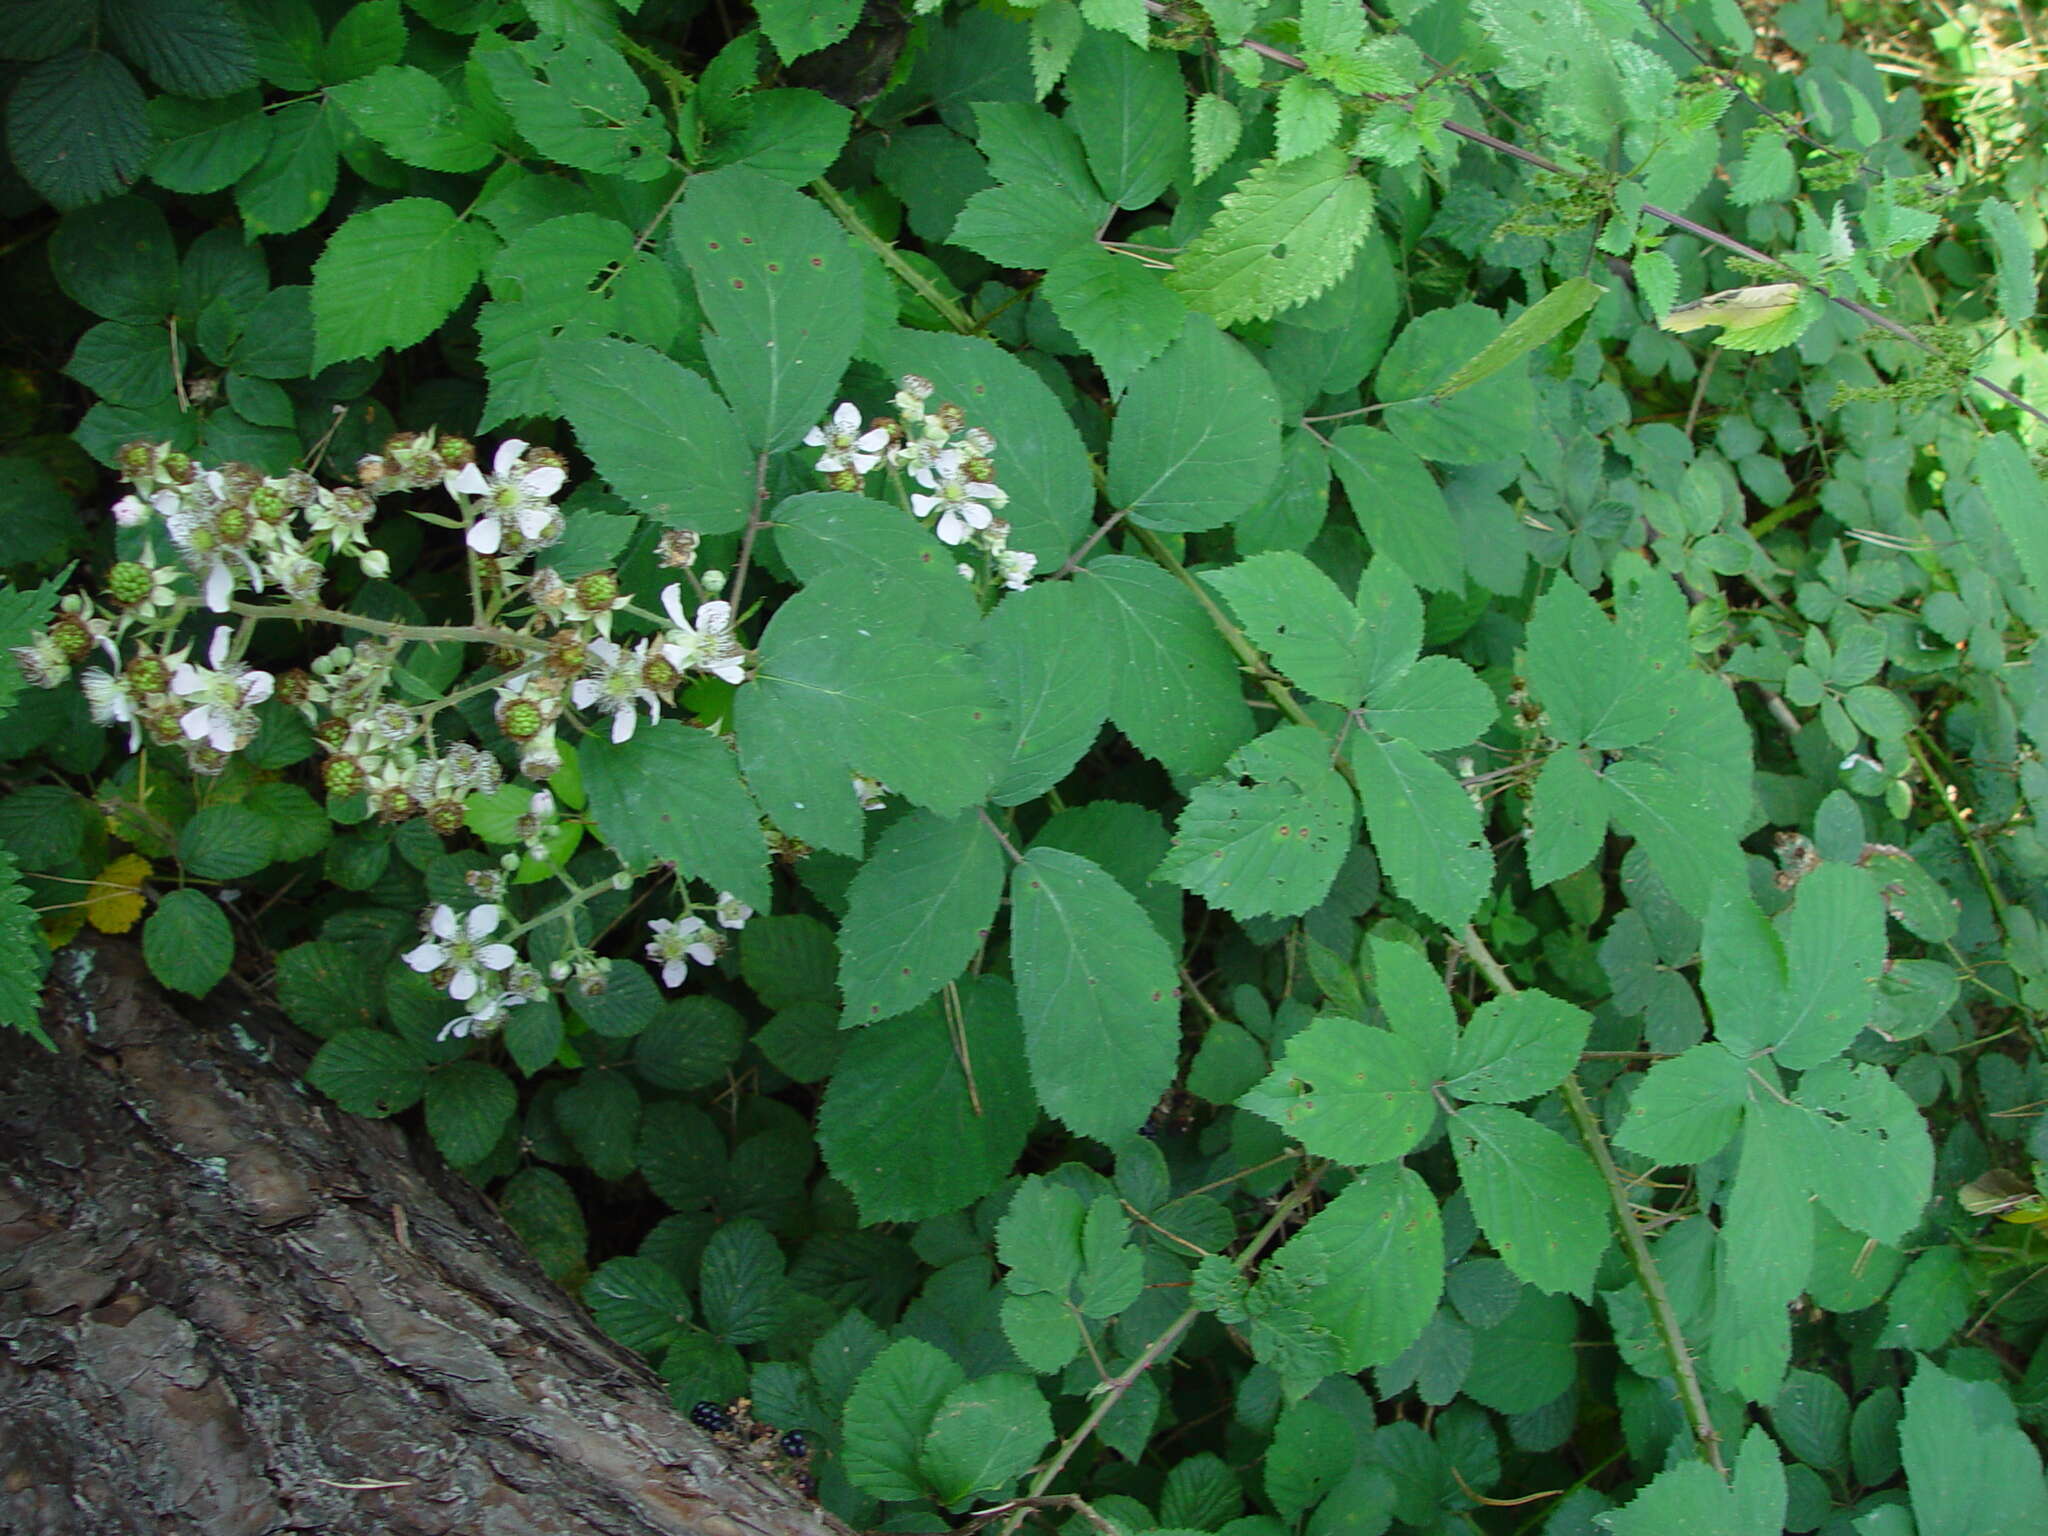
228, 1309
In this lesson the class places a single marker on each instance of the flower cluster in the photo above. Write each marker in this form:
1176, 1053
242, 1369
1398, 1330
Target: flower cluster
680, 940
951, 464
488, 977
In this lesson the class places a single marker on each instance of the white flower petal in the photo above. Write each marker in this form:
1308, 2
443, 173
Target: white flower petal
846, 416
463, 984
470, 481
220, 586
544, 481
507, 455
442, 921
428, 957
496, 957
485, 535
481, 920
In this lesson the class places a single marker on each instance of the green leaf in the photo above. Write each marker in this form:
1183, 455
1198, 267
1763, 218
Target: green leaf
1057, 693
1834, 948
1567, 817
888, 1413
848, 677
1687, 1108
415, 119
1048, 203
118, 261
1348, 1091
1437, 704
1540, 322
983, 1436
1126, 102
673, 792
1040, 458
76, 129
123, 364
1970, 1468
1811, 1417
1537, 1197
191, 47
188, 943
740, 1283
781, 292
1306, 118
205, 146
469, 1104
1869, 1158
24, 957
917, 912
1418, 1009
919, 1120
1480, 422
1427, 832
1516, 1047
1528, 1357
368, 36
798, 27
369, 1072
1296, 615
638, 1303
1097, 991
1595, 688
1399, 506
1038, 1239
657, 432
358, 311
1271, 846
1197, 436
2018, 502
792, 135
226, 842
1174, 685
294, 181
539, 1205
1690, 1499
1125, 17
600, 1114
579, 103
1383, 1240
320, 988
1214, 127
1283, 235
1117, 308
2012, 260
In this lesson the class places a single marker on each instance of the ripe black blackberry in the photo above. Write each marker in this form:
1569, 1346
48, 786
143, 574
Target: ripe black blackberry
794, 1445
712, 1418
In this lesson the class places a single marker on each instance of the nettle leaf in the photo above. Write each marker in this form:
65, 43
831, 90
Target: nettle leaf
2018, 501
416, 119
1687, 1108
1174, 684
1098, 994
1283, 235
782, 293
1429, 836
657, 432
1197, 435
847, 677
1214, 128
579, 103
1516, 1047
2012, 261
1348, 1091
1125, 102
1296, 615
1115, 306
673, 792
1057, 692
1383, 1241
887, 1414
1538, 1198
1399, 506
1273, 845
358, 311
916, 913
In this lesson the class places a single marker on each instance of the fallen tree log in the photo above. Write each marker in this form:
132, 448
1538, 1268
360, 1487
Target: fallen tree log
226, 1309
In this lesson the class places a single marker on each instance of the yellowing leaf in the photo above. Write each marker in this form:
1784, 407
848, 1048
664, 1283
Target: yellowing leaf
115, 900
1734, 309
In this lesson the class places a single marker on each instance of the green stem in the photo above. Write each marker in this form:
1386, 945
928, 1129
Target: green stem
915, 280
428, 634
1917, 745
1111, 1392
1691, 1397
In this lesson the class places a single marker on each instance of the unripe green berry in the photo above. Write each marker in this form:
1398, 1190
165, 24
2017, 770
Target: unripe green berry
520, 719
600, 589
343, 775
70, 636
148, 674
396, 804
233, 524
129, 582
445, 817
658, 673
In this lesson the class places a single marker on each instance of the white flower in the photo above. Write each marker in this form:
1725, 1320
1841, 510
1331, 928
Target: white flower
614, 684
845, 445
959, 501
676, 943
707, 644
224, 695
132, 511
513, 494
731, 911
109, 700
458, 945
869, 792
1014, 567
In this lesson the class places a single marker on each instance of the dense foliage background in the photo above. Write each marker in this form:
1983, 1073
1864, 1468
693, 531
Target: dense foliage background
1304, 875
